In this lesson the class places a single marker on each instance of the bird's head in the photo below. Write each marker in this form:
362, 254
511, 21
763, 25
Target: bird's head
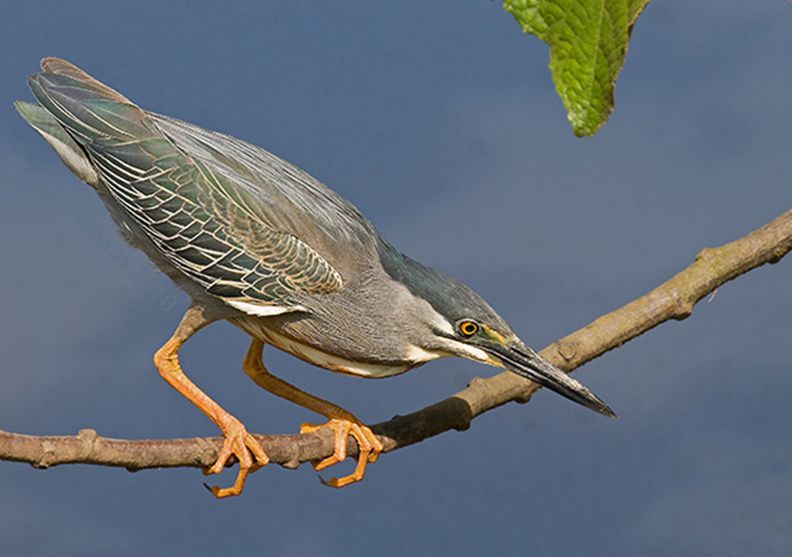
456, 321
470, 328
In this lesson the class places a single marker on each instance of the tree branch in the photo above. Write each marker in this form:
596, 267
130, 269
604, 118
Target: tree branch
673, 299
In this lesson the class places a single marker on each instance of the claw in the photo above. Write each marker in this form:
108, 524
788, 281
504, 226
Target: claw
369, 448
245, 448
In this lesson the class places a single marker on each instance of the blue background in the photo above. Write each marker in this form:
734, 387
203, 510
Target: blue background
439, 121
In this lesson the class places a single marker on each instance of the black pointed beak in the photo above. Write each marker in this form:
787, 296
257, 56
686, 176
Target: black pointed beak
525, 362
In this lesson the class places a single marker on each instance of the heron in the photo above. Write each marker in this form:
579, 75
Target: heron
256, 241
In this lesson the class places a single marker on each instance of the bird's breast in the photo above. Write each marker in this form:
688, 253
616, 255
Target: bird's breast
259, 329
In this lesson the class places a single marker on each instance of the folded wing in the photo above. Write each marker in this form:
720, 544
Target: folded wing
210, 228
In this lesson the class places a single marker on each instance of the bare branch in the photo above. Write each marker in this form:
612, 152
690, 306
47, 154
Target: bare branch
673, 299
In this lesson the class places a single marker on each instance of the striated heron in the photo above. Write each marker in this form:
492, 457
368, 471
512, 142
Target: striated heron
256, 241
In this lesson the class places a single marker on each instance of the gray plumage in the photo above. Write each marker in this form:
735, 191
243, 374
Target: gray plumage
263, 244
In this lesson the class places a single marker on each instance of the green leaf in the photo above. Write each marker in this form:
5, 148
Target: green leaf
588, 42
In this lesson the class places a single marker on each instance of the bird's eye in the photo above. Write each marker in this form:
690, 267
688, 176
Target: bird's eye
468, 328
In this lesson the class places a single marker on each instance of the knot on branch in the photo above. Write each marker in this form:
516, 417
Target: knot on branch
87, 438
567, 350
705, 253
47, 456
524, 397
777, 254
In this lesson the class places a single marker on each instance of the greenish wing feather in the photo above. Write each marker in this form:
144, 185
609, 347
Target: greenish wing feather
197, 217
205, 226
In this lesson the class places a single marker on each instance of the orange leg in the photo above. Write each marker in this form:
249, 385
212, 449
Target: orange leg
341, 422
238, 442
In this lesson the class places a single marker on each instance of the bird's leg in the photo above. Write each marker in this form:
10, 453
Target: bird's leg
341, 422
238, 442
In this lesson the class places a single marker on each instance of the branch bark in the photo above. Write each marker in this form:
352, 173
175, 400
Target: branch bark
674, 299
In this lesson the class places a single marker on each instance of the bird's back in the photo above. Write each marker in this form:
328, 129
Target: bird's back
288, 195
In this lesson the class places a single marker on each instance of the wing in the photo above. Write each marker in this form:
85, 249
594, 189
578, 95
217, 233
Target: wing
207, 226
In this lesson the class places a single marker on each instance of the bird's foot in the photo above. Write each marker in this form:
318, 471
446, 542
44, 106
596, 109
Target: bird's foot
247, 450
369, 448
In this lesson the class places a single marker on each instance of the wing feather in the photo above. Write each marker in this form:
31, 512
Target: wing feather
204, 223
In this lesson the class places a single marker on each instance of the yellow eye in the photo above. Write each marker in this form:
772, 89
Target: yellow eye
468, 328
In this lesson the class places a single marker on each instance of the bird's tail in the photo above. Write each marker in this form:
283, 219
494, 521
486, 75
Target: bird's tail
50, 129
86, 108
76, 110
